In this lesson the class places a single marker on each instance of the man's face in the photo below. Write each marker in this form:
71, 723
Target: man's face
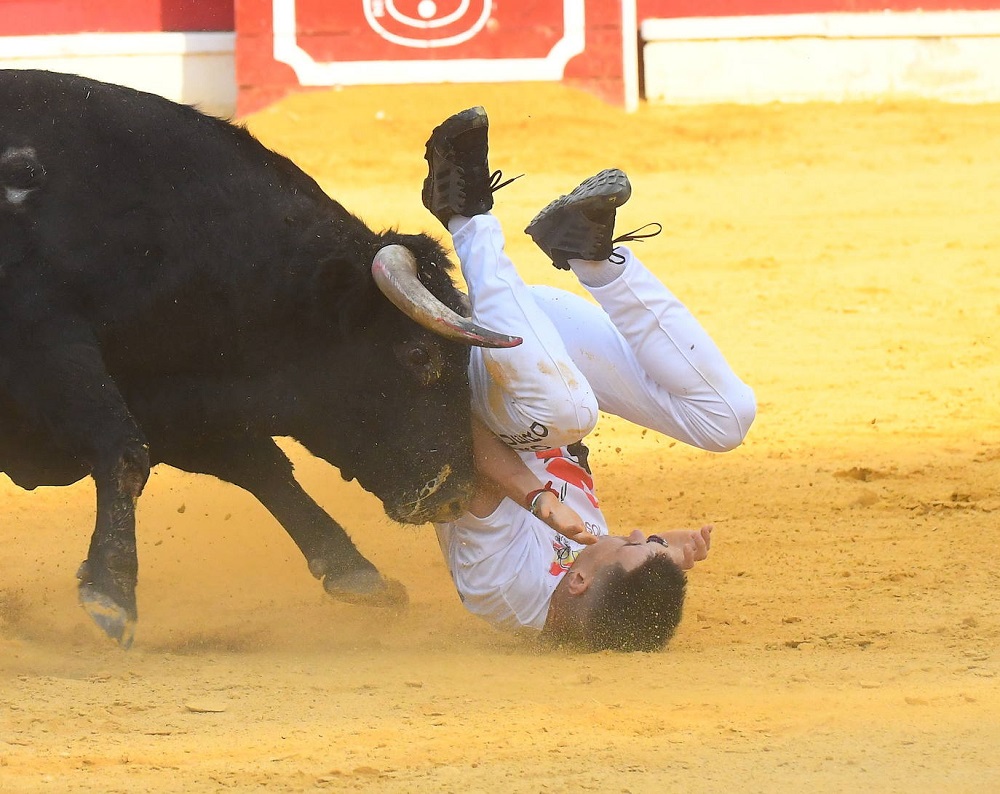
684, 546
629, 551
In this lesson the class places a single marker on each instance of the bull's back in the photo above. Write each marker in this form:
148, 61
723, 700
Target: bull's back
144, 214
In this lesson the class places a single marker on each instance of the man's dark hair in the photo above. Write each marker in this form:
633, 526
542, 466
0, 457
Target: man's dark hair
637, 610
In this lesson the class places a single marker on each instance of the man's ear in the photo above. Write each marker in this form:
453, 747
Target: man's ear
576, 583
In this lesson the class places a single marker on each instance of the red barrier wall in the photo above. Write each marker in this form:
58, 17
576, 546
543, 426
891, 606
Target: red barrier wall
283, 45
661, 9
330, 42
33, 17
38, 17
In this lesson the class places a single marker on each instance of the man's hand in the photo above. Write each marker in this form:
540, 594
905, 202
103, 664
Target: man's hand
562, 518
688, 546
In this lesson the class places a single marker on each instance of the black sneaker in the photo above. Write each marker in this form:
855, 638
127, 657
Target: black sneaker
458, 176
581, 224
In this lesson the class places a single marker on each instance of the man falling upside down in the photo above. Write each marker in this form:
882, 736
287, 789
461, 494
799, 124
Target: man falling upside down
534, 550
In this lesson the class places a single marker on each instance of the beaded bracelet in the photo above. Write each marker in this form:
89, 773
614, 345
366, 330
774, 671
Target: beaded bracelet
531, 500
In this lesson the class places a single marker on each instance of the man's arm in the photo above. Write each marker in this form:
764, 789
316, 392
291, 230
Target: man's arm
507, 475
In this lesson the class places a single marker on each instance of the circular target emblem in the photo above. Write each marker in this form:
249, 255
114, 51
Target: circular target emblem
427, 23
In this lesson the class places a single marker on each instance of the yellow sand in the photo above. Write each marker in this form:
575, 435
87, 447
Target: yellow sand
843, 634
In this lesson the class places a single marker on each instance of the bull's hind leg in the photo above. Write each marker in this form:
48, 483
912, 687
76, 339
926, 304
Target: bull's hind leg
256, 464
66, 387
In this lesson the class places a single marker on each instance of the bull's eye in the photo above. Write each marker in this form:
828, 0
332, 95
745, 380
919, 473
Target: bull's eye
422, 359
417, 357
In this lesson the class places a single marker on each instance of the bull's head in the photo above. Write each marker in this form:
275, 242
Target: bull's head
402, 424
394, 270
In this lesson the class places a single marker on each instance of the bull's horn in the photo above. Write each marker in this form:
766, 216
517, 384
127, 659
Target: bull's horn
395, 271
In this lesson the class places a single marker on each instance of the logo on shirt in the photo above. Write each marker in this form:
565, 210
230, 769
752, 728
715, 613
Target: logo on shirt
569, 471
529, 440
570, 466
565, 556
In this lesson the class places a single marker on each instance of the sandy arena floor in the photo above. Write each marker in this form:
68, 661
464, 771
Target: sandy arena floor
843, 636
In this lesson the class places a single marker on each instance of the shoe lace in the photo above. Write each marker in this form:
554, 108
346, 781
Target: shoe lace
634, 236
496, 184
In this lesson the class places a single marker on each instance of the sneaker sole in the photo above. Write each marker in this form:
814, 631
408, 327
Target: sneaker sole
441, 140
610, 186
453, 126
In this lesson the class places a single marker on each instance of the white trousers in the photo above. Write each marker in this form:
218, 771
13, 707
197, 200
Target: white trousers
640, 354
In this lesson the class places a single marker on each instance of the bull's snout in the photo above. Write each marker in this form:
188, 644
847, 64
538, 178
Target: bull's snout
442, 498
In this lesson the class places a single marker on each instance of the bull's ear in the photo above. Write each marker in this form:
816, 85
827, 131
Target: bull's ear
344, 292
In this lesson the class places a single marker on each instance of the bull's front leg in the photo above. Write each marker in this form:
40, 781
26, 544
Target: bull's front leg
65, 387
256, 464
109, 575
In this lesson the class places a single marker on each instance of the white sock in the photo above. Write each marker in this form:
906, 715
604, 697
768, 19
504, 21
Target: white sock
456, 222
596, 274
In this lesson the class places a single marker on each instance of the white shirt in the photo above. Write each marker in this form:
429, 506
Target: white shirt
507, 565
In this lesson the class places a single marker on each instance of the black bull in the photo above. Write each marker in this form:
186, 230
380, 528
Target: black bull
171, 291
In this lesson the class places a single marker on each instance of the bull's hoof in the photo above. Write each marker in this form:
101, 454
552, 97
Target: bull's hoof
367, 588
112, 618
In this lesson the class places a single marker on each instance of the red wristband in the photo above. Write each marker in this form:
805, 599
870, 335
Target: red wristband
532, 496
